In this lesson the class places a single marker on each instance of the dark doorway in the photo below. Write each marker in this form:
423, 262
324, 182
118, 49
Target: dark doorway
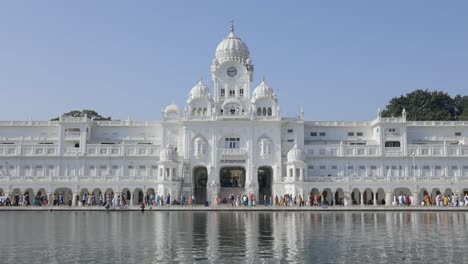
200, 179
265, 180
232, 177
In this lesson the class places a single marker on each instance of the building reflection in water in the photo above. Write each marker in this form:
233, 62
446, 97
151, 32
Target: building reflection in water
222, 237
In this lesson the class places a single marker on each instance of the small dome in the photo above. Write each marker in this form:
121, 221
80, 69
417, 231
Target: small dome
263, 91
171, 108
295, 154
199, 91
232, 48
168, 154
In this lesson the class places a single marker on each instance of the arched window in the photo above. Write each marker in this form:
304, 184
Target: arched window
269, 111
392, 144
264, 111
259, 111
205, 111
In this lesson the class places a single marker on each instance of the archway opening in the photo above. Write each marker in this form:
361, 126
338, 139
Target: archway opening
368, 196
200, 181
327, 196
424, 197
39, 199
62, 196
339, 196
401, 196
28, 197
84, 196
380, 197
126, 196
150, 196
96, 198
356, 197
265, 182
434, 193
108, 196
137, 196
15, 197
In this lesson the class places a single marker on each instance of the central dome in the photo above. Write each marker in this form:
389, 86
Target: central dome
232, 48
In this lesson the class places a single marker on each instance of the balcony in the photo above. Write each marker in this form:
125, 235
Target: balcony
72, 135
235, 154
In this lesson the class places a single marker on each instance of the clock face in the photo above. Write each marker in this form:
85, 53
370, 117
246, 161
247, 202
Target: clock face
231, 71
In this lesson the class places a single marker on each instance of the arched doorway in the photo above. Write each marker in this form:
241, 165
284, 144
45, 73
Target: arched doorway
339, 197
434, 193
108, 196
422, 196
151, 194
356, 197
15, 197
200, 180
28, 197
327, 196
84, 196
265, 181
96, 196
380, 197
137, 196
39, 198
368, 196
398, 192
62, 193
126, 196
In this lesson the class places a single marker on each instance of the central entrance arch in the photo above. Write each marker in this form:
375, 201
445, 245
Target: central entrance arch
265, 181
200, 180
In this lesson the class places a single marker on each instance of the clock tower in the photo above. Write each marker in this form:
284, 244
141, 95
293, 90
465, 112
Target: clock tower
232, 73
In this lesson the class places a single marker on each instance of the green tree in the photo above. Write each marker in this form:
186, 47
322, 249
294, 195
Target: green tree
423, 105
89, 113
461, 103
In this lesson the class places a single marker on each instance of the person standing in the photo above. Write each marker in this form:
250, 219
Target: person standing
168, 199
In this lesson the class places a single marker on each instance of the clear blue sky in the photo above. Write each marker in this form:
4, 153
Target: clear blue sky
341, 60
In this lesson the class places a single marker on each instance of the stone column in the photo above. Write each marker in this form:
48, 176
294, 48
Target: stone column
415, 199
361, 198
74, 201
388, 198
50, 198
374, 198
347, 198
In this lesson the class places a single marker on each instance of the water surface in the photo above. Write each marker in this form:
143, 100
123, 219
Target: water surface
226, 237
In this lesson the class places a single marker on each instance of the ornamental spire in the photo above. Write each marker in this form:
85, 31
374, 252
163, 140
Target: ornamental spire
232, 25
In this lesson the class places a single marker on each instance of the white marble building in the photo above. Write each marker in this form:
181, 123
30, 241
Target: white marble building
233, 139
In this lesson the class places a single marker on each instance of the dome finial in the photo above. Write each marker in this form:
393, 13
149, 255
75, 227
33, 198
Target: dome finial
232, 25
263, 78
201, 78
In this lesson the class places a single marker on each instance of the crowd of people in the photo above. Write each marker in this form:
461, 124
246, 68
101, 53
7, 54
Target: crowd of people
118, 200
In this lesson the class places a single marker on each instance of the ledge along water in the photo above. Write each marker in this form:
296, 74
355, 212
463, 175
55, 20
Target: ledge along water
239, 208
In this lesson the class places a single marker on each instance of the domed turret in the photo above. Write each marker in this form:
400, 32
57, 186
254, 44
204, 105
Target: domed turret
199, 91
171, 108
295, 154
168, 154
263, 91
171, 112
232, 48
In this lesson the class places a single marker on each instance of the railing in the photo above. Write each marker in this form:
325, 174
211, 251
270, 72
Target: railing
120, 150
72, 134
29, 150
337, 150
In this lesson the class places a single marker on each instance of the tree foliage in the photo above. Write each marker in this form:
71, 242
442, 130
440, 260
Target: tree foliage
428, 105
89, 113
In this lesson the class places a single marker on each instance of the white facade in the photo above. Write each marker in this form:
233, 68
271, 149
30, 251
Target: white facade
234, 140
